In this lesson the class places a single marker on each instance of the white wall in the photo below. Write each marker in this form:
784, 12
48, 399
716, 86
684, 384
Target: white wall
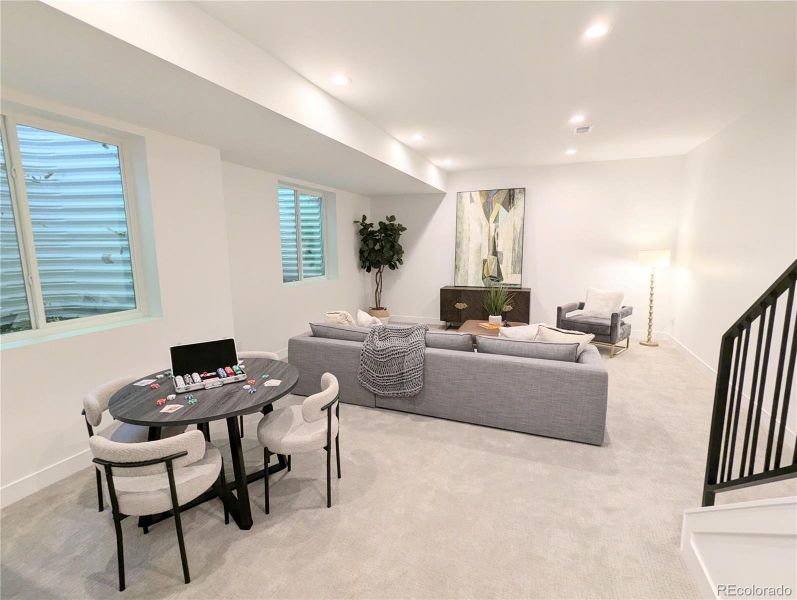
43, 433
266, 311
584, 225
738, 226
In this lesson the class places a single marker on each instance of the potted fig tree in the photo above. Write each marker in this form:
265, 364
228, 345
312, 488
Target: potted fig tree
496, 301
380, 248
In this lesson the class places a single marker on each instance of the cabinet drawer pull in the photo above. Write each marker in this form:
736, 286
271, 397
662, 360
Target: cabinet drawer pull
460, 306
507, 307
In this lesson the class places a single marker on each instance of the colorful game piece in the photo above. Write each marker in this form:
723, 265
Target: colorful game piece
154, 386
167, 372
159, 376
237, 370
251, 381
192, 401
171, 397
160, 401
247, 386
265, 375
252, 390
189, 397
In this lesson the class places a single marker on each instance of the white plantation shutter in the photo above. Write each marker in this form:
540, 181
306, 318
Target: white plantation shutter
77, 210
14, 312
301, 234
290, 249
311, 212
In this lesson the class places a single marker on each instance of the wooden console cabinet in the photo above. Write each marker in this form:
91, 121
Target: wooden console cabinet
463, 303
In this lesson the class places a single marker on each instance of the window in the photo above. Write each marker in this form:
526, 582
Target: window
66, 251
301, 233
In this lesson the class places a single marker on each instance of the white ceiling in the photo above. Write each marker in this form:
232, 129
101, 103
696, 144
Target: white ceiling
493, 84
46, 53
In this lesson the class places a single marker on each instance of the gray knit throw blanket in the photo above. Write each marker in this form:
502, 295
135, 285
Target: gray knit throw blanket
391, 361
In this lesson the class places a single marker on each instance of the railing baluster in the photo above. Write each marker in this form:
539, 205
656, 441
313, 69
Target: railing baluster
762, 386
729, 403
746, 335
730, 389
784, 409
748, 427
784, 342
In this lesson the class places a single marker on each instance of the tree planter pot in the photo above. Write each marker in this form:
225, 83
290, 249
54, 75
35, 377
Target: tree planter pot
495, 319
380, 313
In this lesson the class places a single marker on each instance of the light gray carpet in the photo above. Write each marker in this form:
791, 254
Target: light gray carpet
426, 509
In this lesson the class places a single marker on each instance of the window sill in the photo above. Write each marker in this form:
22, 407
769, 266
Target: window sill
39, 336
307, 281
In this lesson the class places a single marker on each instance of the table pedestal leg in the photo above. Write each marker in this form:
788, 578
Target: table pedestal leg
241, 511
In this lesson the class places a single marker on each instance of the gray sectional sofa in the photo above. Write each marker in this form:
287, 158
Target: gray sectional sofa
552, 398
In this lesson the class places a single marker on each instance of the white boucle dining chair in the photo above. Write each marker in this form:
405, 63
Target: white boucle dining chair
95, 404
254, 354
296, 429
150, 478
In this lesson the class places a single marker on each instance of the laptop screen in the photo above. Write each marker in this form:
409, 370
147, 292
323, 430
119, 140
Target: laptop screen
204, 356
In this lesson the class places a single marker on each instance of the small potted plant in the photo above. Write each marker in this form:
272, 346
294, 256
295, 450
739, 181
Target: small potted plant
380, 248
496, 300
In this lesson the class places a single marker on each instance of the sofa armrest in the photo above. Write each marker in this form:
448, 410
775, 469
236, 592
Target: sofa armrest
562, 311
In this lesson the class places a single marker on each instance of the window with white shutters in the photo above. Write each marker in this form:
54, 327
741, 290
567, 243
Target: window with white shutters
301, 215
66, 250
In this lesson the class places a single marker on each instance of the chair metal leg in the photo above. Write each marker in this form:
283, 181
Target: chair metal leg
337, 437
289, 462
266, 456
120, 551
329, 479
241, 420
100, 501
337, 452
177, 523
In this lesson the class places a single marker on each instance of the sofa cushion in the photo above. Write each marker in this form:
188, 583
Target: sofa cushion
587, 324
600, 303
486, 344
520, 332
449, 340
366, 320
552, 334
338, 317
339, 332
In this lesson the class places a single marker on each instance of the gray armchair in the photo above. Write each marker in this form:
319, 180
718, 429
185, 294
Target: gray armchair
608, 331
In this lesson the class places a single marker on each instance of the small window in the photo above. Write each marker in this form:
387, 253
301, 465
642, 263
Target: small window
64, 229
301, 233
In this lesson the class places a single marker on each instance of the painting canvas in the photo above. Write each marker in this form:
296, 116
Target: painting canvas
490, 237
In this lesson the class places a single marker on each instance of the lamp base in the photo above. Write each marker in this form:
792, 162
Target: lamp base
650, 343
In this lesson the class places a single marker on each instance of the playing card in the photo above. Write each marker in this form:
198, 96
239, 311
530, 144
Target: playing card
272, 382
170, 408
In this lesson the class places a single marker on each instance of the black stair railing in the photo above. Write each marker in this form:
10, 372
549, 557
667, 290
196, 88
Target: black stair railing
755, 378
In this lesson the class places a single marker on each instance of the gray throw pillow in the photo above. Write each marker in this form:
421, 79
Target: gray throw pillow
449, 341
524, 349
339, 332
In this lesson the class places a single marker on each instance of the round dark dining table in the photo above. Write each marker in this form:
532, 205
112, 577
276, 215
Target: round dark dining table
137, 405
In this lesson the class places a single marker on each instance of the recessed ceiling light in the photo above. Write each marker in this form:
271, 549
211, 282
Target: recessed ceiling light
577, 118
447, 161
570, 151
418, 137
341, 80
596, 30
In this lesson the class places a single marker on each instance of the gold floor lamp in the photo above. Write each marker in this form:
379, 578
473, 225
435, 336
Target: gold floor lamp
653, 259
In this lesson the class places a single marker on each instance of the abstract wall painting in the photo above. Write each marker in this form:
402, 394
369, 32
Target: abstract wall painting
489, 246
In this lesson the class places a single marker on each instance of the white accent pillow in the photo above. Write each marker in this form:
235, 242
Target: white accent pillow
602, 304
338, 317
520, 332
366, 320
551, 334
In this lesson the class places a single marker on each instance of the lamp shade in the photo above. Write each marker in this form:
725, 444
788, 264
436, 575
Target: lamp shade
654, 258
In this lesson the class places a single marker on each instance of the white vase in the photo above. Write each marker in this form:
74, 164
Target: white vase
495, 319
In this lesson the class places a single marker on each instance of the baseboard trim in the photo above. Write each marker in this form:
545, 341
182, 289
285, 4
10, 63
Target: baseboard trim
38, 480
